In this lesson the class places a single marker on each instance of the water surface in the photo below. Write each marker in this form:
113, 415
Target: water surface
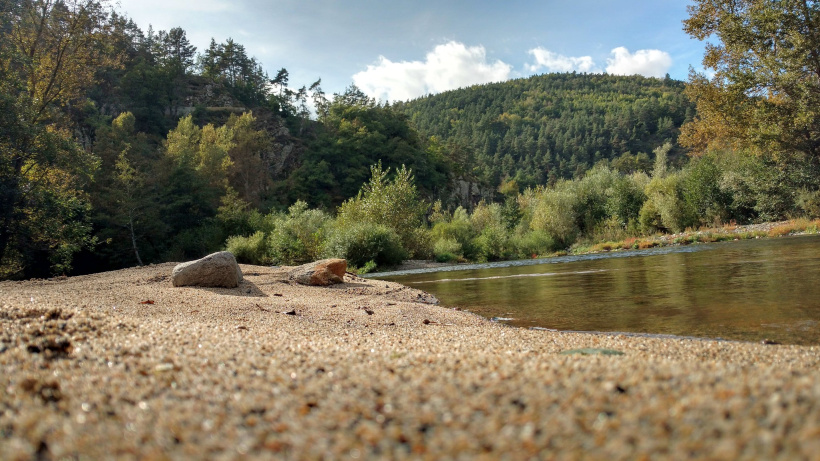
747, 290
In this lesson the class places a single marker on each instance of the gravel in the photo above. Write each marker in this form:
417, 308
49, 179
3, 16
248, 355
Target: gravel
122, 365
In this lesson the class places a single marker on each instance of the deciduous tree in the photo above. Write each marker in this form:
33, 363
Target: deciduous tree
764, 91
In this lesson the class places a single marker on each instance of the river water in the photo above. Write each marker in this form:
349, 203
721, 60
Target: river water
746, 290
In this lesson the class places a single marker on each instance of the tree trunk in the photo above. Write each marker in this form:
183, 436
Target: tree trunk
134, 238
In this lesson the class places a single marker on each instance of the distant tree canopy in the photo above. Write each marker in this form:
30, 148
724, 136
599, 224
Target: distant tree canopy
354, 134
543, 128
765, 89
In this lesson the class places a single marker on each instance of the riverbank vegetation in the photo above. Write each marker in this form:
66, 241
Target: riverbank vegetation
122, 146
602, 211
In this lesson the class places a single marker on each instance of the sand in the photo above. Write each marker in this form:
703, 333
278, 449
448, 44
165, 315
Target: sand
121, 365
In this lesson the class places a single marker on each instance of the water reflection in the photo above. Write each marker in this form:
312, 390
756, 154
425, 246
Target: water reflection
747, 290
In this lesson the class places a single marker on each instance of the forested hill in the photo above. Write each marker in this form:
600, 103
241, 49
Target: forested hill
539, 129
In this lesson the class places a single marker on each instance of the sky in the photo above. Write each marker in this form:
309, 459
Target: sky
400, 49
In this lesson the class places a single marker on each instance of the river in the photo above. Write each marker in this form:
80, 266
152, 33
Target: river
752, 290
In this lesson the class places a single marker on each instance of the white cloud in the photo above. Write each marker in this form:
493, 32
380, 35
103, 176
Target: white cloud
650, 63
156, 6
554, 62
449, 66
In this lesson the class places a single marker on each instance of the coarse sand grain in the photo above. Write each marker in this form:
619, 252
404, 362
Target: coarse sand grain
121, 365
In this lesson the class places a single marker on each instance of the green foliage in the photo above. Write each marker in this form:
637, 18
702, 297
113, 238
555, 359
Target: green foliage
663, 209
763, 90
808, 202
250, 250
547, 127
195, 242
235, 216
393, 203
625, 199
369, 266
491, 241
704, 202
365, 241
555, 213
455, 228
534, 243
575, 144
298, 235
447, 250
355, 134
44, 211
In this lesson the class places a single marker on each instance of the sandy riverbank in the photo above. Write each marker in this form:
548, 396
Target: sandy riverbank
368, 369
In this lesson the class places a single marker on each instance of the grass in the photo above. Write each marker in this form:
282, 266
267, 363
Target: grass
795, 226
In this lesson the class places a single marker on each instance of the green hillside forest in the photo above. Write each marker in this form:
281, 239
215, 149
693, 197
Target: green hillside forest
123, 146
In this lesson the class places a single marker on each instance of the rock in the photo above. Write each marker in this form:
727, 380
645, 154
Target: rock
215, 270
320, 273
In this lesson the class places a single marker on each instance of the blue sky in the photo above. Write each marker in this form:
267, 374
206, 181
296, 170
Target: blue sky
399, 49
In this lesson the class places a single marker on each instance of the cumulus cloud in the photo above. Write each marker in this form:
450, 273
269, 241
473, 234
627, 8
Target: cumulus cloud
449, 66
152, 6
554, 62
650, 63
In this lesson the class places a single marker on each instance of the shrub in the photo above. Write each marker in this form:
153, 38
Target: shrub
645, 244
249, 250
459, 228
418, 243
555, 213
809, 202
595, 195
297, 236
492, 244
363, 242
447, 250
392, 203
703, 201
625, 199
537, 243
663, 209
629, 243
492, 241
369, 266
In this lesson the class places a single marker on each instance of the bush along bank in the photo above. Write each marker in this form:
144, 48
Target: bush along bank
605, 210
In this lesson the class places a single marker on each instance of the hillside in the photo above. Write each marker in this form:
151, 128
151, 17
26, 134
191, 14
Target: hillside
546, 127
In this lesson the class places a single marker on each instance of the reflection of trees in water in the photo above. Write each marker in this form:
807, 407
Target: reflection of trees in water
742, 290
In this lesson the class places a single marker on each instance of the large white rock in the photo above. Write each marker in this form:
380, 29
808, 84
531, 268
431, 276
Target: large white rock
215, 270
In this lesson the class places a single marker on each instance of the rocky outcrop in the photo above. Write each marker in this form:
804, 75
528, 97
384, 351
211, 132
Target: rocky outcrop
320, 273
215, 270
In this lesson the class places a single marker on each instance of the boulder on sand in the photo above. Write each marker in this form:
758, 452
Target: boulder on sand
215, 270
320, 273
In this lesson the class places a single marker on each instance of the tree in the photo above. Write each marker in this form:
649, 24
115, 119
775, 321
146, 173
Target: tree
50, 53
249, 173
765, 91
124, 195
229, 64
43, 209
178, 53
59, 46
390, 202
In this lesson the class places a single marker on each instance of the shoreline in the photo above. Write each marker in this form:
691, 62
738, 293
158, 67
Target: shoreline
703, 235
369, 369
